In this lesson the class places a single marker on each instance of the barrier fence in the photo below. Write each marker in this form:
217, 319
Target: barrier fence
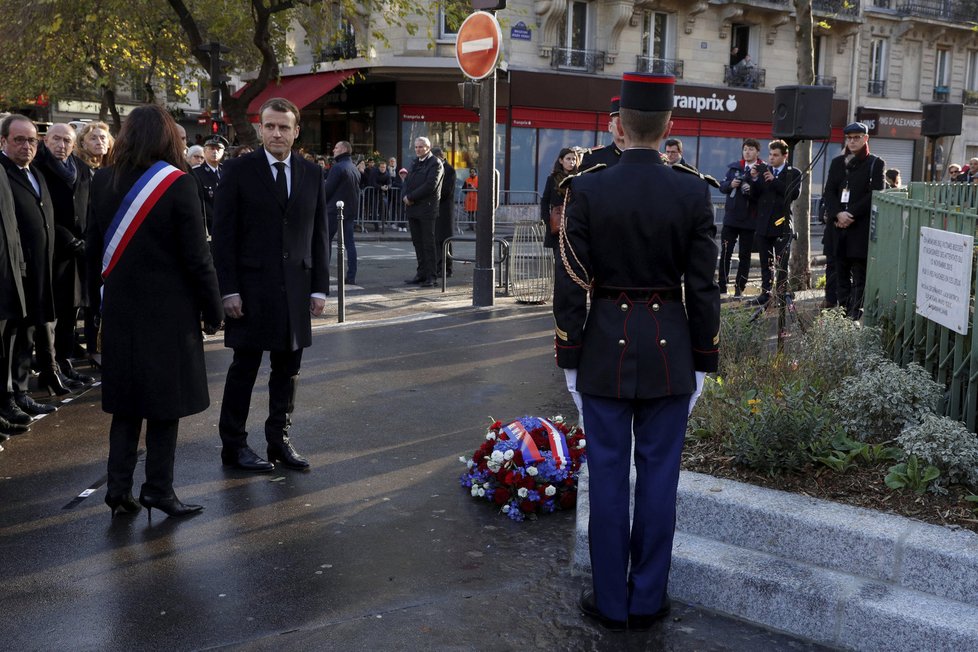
891, 288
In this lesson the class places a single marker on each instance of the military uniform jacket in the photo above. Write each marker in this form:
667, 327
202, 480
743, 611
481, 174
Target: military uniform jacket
423, 187
606, 155
12, 267
153, 302
738, 211
207, 181
274, 256
639, 339
861, 175
774, 199
35, 220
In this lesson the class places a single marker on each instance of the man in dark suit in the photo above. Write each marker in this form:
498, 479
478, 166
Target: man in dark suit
606, 155
640, 350
445, 222
776, 186
208, 174
343, 184
420, 194
12, 269
271, 247
35, 221
69, 183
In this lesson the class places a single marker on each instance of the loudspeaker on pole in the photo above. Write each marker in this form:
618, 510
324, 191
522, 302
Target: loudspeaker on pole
802, 112
941, 119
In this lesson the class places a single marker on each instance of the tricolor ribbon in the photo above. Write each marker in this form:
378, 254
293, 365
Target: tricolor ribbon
558, 444
528, 448
136, 205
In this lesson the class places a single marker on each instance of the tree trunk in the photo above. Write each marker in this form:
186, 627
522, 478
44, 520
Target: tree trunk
108, 108
801, 268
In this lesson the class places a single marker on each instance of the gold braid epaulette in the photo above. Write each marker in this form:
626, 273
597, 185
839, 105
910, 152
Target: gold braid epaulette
565, 245
705, 177
594, 168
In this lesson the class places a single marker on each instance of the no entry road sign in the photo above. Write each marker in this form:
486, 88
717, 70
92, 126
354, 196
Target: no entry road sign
477, 45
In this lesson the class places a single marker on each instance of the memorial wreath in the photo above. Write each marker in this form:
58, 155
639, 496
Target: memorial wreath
526, 467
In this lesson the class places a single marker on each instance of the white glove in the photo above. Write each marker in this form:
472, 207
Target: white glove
700, 378
570, 377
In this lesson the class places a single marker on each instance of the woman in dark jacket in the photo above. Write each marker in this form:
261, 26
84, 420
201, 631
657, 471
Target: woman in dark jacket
553, 195
154, 294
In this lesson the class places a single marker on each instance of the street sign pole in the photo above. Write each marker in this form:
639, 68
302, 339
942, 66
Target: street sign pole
483, 277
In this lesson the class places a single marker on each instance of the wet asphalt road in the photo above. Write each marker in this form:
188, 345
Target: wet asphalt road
376, 548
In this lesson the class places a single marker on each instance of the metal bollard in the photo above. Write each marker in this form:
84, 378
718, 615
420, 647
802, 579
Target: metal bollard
340, 266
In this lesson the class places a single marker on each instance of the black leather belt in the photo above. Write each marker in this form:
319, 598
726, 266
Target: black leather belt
639, 295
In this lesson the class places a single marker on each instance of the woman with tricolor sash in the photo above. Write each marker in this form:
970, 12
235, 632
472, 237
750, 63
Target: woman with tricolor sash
158, 283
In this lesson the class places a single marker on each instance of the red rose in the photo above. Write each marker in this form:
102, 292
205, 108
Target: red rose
568, 499
518, 458
501, 496
528, 506
496, 425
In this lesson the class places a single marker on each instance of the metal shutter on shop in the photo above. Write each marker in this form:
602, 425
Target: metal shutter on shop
897, 154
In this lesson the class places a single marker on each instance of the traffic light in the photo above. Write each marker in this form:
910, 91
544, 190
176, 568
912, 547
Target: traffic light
488, 5
215, 127
217, 68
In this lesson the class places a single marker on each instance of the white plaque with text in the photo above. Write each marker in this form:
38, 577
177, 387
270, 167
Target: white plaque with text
944, 278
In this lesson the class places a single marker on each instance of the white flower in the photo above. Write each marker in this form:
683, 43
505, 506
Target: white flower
550, 490
470, 463
462, 459
558, 419
508, 454
482, 492
531, 471
506, 509
491, 436
475, 491
522, 492
497, 457
582, 443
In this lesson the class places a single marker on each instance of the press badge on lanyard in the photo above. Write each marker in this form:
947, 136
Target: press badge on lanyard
845, 195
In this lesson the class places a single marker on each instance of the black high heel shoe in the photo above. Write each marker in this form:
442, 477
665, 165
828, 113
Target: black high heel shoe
170, 505
124, 504
52, 382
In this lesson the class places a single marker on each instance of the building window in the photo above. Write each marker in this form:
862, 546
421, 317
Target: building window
942, 75
658, 45
877, 67
970, 95
575, 34
447, 25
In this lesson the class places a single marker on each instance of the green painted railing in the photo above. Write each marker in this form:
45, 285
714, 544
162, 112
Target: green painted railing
891, 288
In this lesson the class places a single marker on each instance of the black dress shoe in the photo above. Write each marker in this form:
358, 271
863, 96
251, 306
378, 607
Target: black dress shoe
52, 382
415, 281
7, 428
284, 453
69, 372
590, 609
123, 504
170, 505
245, 459
644, 622
430, 283
32, 407
760, 300
13, 414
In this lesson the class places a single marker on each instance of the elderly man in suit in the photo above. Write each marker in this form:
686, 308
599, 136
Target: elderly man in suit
12, 419
271, 249
420, 194
35, 221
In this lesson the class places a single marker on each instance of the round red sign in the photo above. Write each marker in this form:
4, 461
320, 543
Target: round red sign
478, 44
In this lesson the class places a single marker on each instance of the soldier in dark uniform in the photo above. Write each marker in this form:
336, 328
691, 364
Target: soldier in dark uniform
776, 186
642, 348
606, 155
208, 174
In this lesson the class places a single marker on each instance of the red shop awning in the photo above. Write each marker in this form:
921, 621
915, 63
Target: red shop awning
301, 90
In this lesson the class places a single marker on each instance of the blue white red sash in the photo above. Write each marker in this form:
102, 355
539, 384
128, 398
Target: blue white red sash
136, 205
558, 444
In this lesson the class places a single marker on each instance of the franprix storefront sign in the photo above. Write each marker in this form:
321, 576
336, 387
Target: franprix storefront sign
722, 103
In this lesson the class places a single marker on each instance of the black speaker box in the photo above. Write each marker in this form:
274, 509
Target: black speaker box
802, 112
941, 119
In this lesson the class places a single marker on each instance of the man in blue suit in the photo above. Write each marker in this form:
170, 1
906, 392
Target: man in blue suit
640, 350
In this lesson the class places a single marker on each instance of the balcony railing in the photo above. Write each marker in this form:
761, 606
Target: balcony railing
744, 76
883, 4
876, 87
942, 94
953, 11
969, 98
672, 67
822, 80
570, 59
838, 7
343, 47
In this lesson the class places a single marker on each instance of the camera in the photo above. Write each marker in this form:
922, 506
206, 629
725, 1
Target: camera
761, 167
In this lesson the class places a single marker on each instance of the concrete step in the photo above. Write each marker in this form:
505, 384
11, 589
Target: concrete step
835, 574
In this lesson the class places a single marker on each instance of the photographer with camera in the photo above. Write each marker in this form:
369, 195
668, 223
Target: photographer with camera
775, 186
738, 217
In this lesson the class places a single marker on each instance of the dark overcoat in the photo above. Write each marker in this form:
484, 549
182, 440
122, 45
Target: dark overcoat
274, 256
207, 181
12, 267
423, 187
774, 199
861, 175
343, 184
35, 220
738, 212
153, 301
639, 339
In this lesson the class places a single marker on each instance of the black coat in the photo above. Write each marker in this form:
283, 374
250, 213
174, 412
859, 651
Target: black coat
861, 175
70, 201
551, 197
274, 256
773, 201
607, 155
153, 302
12, 266
207, 181
641, 347
738, 210
35, 220
423, 187
343, 184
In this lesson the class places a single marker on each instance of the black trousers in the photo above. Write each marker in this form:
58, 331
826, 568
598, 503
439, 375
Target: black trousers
7, 331
729, 236
423, 238
28, 337
775, 254
851, 283
238, 387
161, 446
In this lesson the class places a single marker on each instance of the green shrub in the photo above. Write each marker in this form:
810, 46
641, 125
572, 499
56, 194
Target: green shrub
832, 348
946, 444
912, 475
883, 398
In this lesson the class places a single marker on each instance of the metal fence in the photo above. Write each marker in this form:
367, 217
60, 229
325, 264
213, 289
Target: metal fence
891, 288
